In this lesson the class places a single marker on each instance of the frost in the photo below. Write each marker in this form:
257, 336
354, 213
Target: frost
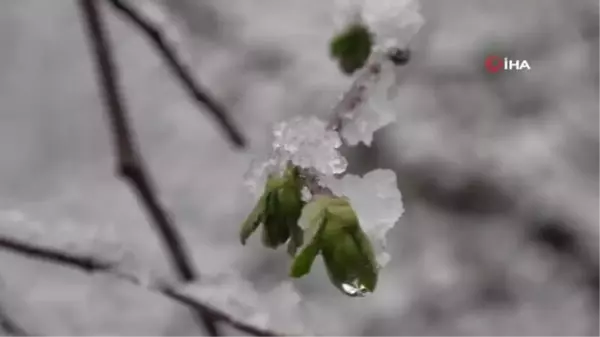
276, 309
256, 176
372, 109
394, 22
306, 142
377, 202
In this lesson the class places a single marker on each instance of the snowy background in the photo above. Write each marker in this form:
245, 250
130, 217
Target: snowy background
499, 174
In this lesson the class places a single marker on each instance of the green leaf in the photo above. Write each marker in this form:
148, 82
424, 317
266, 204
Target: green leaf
274, 231
303, 262
347, 251
312, 214
367, 268
352, 47
341, 210
278, 211
254, 219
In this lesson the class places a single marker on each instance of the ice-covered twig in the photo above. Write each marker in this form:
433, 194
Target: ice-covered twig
199, 94
130, 165
355, 95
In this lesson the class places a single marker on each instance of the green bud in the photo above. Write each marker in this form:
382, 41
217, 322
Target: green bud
352, 47
278, 210
345, 248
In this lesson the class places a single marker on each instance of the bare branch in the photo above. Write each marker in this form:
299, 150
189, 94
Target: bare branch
199, 94
130, 164
11, 327
94, 264
87, 263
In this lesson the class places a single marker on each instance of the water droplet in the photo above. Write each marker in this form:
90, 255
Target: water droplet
354, 289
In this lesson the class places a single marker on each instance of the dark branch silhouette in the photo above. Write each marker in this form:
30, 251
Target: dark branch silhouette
199, 94
11, 327
130, 165
87, 263
94, 264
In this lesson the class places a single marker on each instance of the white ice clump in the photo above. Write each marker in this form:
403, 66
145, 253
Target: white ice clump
307, 143
377, 202
276, 309
393, 22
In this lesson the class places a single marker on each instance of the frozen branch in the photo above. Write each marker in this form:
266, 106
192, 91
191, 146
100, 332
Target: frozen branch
130, 165
355, 95
94, 264
369, 74
199, 94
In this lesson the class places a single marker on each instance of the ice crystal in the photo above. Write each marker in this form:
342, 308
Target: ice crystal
307, 143
304, 141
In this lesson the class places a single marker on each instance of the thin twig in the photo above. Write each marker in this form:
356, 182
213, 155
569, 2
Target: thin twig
11, 327
81, 262
87, 263
130, 165
199, 94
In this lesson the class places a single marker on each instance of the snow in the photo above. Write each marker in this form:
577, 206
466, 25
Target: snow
275, 309
306, 142
63, 234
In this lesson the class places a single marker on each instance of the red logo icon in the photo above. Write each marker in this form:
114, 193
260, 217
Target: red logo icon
493, 63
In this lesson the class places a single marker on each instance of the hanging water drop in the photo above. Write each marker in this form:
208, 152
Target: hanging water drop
354, 289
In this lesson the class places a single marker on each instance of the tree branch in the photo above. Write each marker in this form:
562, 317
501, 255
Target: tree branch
10, 326
87, 263
93, 264
130, 165
199, 94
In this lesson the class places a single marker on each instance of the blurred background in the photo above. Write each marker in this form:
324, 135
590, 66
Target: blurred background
499, 173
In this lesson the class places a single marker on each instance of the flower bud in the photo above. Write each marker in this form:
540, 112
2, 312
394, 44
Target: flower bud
345, 249
278, 210
352, 47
